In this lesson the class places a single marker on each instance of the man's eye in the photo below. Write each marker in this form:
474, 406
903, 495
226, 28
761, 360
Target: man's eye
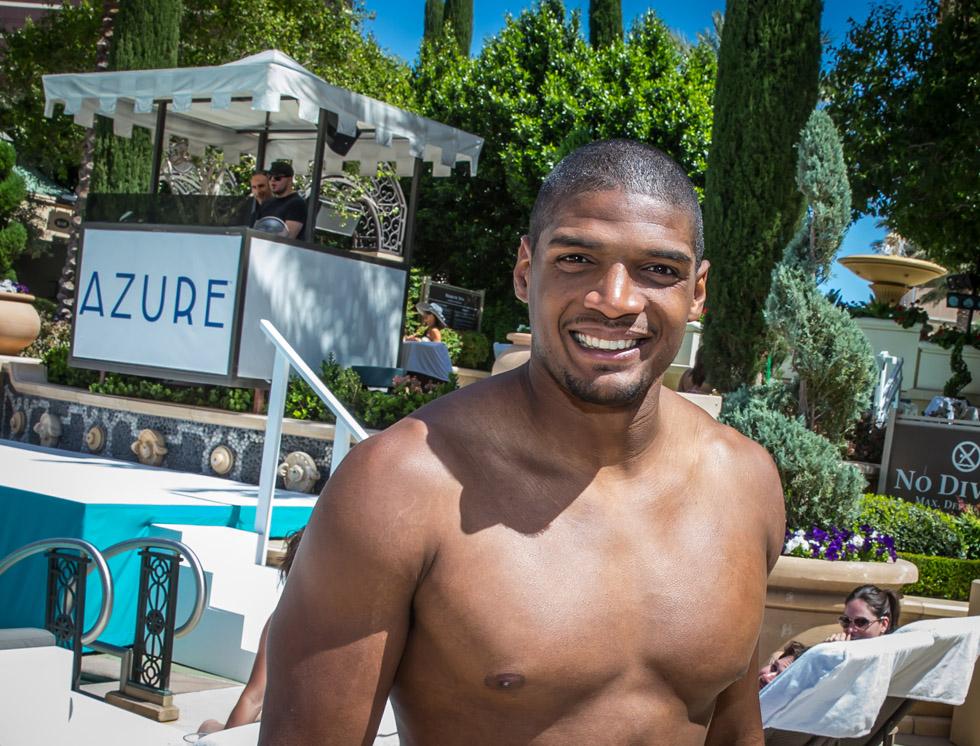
663, 269
573, 259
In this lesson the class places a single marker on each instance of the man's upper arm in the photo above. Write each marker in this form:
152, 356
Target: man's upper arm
737, 720
293, 227
337, 636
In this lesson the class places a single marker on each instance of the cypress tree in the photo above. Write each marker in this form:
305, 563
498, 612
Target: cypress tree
605, 22
146, 35
459, 13
432, 25
768, 70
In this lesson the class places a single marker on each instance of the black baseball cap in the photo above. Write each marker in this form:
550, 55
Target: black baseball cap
280, 168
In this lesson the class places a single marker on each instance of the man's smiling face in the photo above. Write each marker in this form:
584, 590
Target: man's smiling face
611, 285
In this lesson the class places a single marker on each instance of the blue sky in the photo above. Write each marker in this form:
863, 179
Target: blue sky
398, 27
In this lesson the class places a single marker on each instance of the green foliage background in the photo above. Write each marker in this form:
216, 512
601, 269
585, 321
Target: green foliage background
768, 68
458, 19
13, 234
605, 22
905, 91
804, 423
122, 164
535, 92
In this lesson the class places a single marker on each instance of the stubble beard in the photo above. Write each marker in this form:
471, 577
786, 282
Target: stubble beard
610, 395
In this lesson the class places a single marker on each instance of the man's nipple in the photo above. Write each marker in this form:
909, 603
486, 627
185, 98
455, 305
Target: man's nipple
504, 681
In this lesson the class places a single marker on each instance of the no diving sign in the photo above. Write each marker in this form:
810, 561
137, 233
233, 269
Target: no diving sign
932, 461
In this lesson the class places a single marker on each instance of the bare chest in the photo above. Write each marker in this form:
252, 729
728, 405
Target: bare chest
621, 600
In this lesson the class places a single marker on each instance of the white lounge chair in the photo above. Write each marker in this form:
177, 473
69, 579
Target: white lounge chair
854, 693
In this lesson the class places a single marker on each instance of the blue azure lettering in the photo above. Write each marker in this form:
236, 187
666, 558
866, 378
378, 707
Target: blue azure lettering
93, 284
129, 276
186, 311
163, 292
212, 293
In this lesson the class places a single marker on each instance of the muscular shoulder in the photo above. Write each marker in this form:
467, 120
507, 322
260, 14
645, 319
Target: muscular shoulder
744, 466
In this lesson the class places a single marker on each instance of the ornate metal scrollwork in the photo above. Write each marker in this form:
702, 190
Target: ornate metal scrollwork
156, 608
379, 207
64, 609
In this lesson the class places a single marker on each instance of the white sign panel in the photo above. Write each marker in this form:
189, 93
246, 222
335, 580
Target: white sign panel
156, 299
323, 304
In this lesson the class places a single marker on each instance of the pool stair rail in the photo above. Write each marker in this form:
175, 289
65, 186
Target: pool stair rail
67, 576
241, 596
347, 428
145, 664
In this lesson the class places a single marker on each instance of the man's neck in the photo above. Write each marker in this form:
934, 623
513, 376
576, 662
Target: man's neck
286, 194
594, 435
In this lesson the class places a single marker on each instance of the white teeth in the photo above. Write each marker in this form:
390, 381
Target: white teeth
604, 344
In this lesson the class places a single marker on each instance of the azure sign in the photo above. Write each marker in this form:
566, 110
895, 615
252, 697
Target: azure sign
157, 300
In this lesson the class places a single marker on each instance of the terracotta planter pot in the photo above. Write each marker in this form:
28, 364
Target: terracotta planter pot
806, 593
19, 322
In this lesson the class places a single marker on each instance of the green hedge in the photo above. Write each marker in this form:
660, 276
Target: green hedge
942, 577
915, 528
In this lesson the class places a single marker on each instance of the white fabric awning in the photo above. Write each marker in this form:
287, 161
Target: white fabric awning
226, 106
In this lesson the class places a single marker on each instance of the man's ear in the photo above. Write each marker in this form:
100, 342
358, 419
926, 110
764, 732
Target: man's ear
522, 270
700, 291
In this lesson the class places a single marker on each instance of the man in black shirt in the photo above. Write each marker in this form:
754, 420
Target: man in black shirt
287, 205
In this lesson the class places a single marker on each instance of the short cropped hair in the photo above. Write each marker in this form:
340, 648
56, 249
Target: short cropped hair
625, 165
260, 172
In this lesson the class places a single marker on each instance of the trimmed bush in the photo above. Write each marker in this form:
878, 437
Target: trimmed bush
820, 489
942, 577
915, 528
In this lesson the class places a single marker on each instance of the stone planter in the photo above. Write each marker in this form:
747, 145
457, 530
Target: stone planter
885, 335
933, 369
807, 593
513, 355
19, 322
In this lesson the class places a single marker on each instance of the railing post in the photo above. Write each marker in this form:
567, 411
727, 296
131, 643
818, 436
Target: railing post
153, 641
270, 454
341, 445
64, 611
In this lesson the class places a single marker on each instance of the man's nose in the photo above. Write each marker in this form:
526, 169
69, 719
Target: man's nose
616, 294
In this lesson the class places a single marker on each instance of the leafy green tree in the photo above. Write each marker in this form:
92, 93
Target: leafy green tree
803, 424
432, 25
13, 234
59, 42
327, 37
605, 22
767, 85
904, 91
122, 164
458, 15
535, 92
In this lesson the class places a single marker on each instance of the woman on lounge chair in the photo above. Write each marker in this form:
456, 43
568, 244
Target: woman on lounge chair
248, 709
869, 611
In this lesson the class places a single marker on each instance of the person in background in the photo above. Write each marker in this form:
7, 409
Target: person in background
261, 193
789, 654
287, 205
869, 611
248, 709
434, 321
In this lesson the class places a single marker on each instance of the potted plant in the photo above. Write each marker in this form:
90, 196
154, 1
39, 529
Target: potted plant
19, 321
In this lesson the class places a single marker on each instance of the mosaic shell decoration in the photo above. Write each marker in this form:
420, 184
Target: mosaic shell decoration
299, 472
222, 460
48, 429
95, 438
18, 422
150, 447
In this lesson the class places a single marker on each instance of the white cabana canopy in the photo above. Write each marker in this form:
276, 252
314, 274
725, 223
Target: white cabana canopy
228, 106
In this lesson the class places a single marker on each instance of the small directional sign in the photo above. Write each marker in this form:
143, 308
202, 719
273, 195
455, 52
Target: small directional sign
963, 300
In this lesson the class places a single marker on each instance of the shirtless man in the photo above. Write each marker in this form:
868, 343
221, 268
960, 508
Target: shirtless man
567, 553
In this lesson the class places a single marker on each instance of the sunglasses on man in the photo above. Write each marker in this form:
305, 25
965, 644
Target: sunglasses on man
858, 622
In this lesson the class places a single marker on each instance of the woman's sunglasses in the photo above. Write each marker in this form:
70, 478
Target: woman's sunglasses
859, 622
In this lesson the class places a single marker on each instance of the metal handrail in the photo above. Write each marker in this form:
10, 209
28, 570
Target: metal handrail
200, 586
36, 547
345, 429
